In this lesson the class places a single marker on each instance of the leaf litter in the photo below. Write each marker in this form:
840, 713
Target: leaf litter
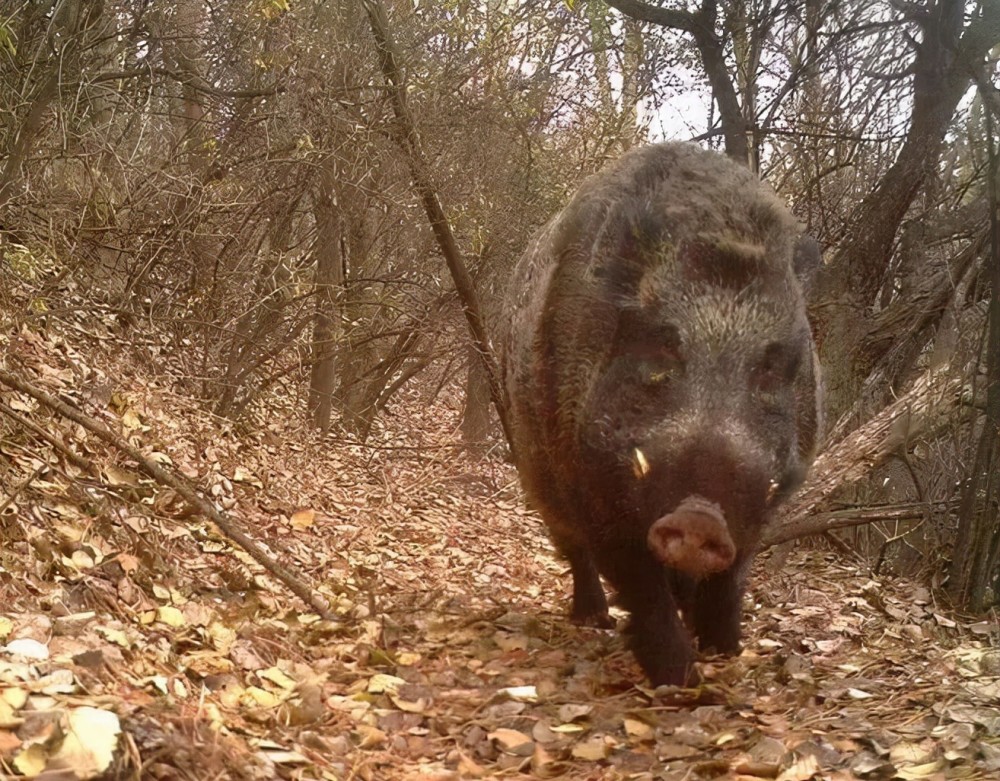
137, 642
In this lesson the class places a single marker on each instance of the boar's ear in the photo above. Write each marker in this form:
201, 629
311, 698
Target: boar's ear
806, 260
637, 235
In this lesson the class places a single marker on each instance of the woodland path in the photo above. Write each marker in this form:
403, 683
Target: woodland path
141, 644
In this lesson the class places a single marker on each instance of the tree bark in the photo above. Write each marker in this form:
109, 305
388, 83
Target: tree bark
65, 37
476, 416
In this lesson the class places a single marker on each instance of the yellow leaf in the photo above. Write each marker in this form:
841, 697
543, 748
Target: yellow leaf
904, 753
223, 637
128, 562
639, 730
131, 420
380, 682
115, 636
263, 698
82, 560
918, 772
169, 615
161, 682
509, 738
274, 675
7, 718
6, 627
243, 475
303, 519
31, 761
592, 750
566, 729
160, 592
14, 697
91, 736
521, 693
371, 737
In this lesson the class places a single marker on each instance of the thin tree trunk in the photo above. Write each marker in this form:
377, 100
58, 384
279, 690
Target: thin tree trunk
974, 559
711, 47
476, 415
406, 134
329, 284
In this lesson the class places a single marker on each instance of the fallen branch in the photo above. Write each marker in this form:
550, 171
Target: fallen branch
182, 486
77, 460
12, 496
854, 457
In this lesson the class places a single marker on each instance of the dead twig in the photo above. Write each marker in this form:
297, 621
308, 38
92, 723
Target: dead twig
183, 488
17, 491
77, 460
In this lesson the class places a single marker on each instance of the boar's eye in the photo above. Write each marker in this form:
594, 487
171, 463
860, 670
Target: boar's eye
660, 366
652, 349
776, 368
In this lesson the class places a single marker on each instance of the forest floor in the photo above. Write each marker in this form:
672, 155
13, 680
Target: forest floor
140, 643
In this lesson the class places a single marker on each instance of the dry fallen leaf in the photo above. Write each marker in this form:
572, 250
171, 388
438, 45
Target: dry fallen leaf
89, 742
802, 769
593, 749
303, 519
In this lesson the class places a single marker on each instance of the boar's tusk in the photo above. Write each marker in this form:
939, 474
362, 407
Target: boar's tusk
640, 466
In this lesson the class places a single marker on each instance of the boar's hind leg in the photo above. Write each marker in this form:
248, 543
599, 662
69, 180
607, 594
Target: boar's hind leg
715, 612
656, 634
590, 606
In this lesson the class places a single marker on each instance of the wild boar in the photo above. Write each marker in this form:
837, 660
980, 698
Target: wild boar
662, 388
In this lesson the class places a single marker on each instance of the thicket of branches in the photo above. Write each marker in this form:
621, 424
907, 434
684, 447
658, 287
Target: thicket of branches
224, 184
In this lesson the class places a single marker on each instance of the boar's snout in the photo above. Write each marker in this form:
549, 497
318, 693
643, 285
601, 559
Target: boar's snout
693, 538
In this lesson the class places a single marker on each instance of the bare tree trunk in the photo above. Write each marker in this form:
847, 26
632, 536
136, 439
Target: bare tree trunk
633, 58
476, 423
254, 340
406, 134
66, 27
974, 561
329, 286
700, 26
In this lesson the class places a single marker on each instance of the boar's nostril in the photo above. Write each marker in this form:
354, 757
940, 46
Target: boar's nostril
719, 554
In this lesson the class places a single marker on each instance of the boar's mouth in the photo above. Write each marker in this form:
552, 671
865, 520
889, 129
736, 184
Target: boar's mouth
693, 539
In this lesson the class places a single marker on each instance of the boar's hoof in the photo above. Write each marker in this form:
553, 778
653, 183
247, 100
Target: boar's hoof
596, 619
693, 538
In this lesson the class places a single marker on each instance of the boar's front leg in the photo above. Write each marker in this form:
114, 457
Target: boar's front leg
590, 605
716, 610
655, 632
